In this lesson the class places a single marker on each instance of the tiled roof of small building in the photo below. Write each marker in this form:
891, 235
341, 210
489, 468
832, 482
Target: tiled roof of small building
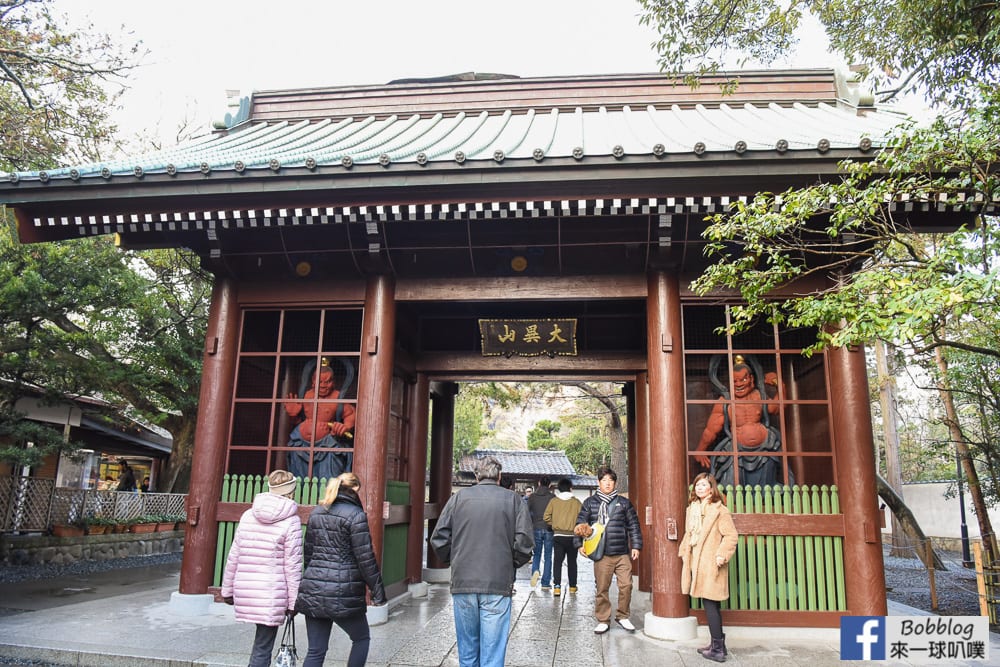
553, 464
514, 122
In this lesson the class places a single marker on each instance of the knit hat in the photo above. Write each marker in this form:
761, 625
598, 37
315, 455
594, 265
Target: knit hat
284, 488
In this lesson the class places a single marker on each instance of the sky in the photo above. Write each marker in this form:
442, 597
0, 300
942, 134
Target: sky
199, 49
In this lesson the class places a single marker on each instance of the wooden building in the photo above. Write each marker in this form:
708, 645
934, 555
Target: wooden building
418, 234
524, 469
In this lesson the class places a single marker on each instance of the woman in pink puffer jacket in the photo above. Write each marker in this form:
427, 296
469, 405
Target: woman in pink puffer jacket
265, 564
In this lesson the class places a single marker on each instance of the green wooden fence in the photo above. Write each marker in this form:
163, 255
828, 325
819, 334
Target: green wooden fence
767, 573
785, 572
243, 488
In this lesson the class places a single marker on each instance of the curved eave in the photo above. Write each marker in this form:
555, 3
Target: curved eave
404, 183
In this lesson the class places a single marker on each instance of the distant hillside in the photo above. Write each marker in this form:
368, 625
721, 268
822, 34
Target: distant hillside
509, 429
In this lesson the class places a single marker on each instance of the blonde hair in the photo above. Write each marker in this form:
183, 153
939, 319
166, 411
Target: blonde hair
347, 479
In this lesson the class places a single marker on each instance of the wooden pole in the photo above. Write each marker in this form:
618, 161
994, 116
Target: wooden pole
929, 551
668, 449
977, 552
893, 474
378, 331
643, 476
416, 471
854, 449
210, 438
442, 454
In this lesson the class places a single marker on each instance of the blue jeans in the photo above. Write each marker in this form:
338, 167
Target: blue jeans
482, 623
543, 546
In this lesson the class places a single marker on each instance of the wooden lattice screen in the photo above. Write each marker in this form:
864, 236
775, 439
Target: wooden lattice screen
785, 572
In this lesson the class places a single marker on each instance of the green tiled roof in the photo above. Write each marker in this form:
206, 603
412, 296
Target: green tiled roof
498, 137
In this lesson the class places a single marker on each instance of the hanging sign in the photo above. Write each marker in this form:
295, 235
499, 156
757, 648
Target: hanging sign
528, 338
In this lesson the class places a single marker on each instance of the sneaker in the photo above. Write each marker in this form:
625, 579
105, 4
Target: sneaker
572, 589
626, 624
535, 577
556, 591
546, 589
601, 628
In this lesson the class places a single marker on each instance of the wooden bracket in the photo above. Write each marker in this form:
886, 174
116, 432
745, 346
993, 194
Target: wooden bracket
372, 344
666, 343
212, 346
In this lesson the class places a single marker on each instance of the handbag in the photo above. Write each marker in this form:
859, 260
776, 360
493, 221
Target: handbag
287, 656
593, 546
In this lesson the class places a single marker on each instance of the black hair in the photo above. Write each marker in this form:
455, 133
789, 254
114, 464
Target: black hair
606, 472
564, 485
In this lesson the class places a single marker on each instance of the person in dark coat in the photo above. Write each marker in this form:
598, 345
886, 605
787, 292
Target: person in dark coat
339, 566
484, 534
622, 542
538, 502
126, 480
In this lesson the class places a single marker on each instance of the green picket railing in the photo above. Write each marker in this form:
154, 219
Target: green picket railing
243, 488
785, 572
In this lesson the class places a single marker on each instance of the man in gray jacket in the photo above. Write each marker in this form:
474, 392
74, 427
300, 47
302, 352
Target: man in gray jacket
484, 534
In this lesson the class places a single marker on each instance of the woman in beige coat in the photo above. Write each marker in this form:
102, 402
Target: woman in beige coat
709, 542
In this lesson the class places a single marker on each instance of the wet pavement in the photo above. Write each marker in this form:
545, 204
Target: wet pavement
125, 618
49, 593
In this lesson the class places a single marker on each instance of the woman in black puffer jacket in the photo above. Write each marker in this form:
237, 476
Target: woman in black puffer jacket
340, 565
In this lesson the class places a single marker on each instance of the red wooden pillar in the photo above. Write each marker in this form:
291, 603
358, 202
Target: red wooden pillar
643, 474
210, 438
371, 429
670, 617
442, 454
631, 457
416, 472
855, 453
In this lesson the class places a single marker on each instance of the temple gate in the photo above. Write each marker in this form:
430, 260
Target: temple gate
362, 236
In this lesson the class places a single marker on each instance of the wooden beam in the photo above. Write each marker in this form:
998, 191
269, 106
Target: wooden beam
470, 365
508, 288
790, 524
302, 292
780, 619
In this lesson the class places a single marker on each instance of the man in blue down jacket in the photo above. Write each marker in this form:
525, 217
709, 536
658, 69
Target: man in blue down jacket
484, 533
622, 542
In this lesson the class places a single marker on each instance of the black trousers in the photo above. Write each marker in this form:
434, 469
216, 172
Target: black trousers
263, 644
562, 547
713, 613
318, 630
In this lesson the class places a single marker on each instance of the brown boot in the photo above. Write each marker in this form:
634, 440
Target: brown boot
717, 652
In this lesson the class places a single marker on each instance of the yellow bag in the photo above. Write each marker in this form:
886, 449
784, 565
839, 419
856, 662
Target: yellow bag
593, 546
